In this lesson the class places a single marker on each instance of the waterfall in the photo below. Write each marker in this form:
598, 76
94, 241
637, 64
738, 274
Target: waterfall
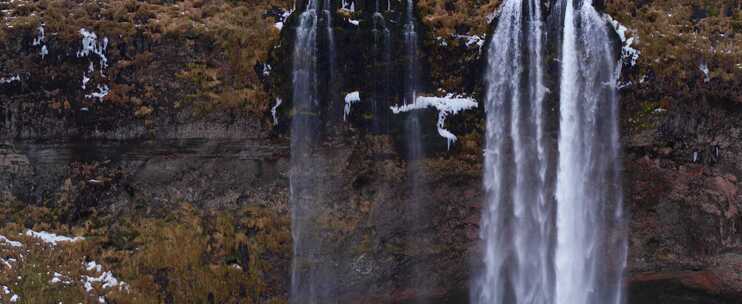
516, 225
382, 61
420, 279
312, 278
591, 242
553, 227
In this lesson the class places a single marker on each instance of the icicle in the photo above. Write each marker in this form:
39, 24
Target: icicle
350, 99
274, 111
449, 105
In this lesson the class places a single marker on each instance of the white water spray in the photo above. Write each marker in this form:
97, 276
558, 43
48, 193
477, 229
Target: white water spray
553, 228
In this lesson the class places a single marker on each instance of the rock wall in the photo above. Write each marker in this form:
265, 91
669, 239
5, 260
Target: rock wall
187, 119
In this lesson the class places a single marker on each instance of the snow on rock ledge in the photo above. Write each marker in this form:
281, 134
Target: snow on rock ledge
449, 105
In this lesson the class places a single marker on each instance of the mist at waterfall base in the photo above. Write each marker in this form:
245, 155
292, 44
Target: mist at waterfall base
553, 229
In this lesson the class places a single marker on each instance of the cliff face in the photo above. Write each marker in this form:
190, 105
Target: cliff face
157, 132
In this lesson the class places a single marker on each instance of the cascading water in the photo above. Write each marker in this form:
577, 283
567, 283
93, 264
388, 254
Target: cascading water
420, 279
332, 83
516, 225
382, 59
553, 225
591, 249
312, 278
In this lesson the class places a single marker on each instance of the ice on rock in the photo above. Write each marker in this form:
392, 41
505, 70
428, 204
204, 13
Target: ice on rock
85, 80
348, 5
451, 104
13, 297
471, 40
40, 40
282, 19
350, 99
93, 266
274, 110
90, 44
629, 55
102, 92
705, 70
10, 79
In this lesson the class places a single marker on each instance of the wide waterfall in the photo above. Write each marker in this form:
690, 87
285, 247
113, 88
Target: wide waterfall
312, 277
553, 222
591, 250
516, 225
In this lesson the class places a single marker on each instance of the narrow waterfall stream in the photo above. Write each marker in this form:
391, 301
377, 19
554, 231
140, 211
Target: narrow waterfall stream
382, 58
419, 196
552, 228
312, 278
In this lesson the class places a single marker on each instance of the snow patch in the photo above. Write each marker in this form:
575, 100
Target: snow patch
348, 5
13, 297
350, 99
105, 279
7, 262
441, 41
471, 40
40, 40
9, 242
93, 266
85, 80
281, 20
90, 44
10, 79
102, 92
705, 70
51, 238
451, 104
60, 278
629, 55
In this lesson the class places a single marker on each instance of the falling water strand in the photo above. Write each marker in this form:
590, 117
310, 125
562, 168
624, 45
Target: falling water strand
590, 252
312, 280
420, 279
382, 51
515, 225
332, 87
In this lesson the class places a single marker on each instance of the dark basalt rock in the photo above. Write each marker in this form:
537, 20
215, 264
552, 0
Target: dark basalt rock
685, 240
